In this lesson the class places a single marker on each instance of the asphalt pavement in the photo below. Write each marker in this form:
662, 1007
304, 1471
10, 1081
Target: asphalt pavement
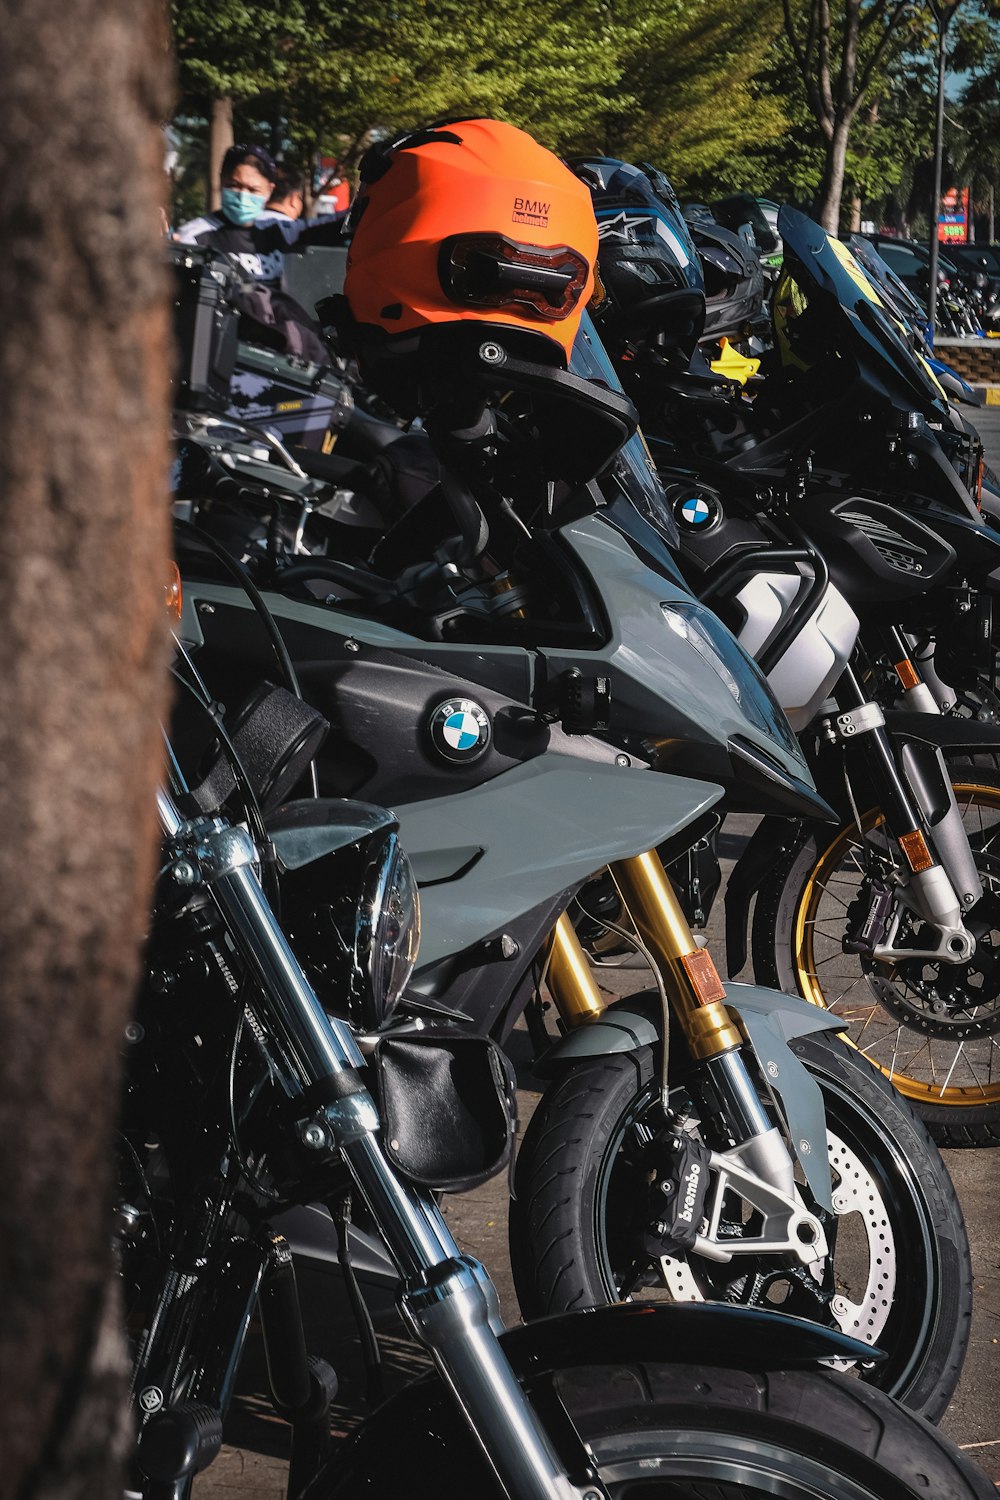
253, 1463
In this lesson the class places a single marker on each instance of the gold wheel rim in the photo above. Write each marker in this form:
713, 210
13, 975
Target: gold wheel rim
898, 1050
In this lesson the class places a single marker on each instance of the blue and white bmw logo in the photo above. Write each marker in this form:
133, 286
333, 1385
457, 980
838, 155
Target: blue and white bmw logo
696, 512
460, 730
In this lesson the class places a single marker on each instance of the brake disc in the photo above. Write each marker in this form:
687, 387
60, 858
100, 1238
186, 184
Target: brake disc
864, 1266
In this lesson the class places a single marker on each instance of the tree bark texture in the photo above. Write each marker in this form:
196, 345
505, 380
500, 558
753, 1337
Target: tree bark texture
832, 185
220, 138
83, 652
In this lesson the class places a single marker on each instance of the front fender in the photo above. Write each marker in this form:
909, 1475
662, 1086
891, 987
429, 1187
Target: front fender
701, 1333
765, 848
770, 1019
944, 731
419, 1432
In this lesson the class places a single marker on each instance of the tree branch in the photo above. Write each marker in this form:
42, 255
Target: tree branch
869, 70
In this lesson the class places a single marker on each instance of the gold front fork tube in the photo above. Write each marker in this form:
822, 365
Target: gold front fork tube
692, 984
570, 978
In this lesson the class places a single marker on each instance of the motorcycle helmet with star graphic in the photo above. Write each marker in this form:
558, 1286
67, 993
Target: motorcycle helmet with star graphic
648, 267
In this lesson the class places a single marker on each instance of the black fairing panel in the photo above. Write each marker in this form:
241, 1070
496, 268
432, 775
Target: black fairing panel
379, 707
876, 553
733, 528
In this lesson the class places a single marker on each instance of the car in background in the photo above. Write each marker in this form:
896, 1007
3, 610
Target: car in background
910, 259
984, 259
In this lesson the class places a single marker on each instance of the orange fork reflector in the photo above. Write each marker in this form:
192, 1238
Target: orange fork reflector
914, 846
173, 592
704, 976
907, 673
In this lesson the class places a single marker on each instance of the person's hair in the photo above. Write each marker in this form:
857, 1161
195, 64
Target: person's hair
288, 181
251, 156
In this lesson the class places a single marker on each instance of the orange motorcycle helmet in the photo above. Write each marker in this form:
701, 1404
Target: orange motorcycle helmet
469, 224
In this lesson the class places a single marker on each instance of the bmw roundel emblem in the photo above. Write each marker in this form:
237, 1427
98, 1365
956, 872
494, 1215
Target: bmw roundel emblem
697, 510
460, 730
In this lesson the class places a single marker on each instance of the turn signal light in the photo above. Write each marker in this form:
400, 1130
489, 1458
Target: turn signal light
704, 976
914, 846
173, 594
906, 672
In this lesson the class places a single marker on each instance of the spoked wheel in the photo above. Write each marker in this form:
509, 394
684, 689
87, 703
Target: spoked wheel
932, 1028
897, 1274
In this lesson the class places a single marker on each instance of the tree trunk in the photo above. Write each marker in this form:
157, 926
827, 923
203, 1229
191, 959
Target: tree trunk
854, 214
83, 391
992, 216
220, 138
832, 185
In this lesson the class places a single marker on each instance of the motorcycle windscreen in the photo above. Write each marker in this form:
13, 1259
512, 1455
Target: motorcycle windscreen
633, 473
821, 267
895, 293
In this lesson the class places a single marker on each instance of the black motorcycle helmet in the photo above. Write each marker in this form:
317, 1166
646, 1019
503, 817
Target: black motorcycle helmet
734, 276
646, 260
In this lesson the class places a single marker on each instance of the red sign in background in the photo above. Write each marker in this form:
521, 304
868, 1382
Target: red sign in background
953, 218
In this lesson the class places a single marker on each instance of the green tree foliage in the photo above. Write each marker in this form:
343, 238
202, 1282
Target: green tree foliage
241, 49
692, 72
543, 64
673, 81
976, 140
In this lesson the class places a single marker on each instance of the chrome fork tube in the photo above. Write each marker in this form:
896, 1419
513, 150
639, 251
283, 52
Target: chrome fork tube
450, 1304
765, 1151
447, 1299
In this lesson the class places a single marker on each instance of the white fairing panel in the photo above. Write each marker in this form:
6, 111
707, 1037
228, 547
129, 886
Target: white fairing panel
817, 654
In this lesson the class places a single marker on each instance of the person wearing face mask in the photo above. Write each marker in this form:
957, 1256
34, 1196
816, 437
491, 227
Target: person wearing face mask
242, 229
257, 241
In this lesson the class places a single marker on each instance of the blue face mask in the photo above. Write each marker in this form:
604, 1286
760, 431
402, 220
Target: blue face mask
242, 208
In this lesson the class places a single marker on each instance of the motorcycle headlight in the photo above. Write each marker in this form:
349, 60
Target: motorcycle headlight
387, 933
719, 650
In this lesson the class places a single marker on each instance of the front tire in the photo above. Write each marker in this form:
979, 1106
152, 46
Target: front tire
900, 1256
679, 1432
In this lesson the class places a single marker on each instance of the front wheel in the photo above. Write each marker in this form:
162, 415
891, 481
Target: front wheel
679, 1432
898, 1273
932, 1028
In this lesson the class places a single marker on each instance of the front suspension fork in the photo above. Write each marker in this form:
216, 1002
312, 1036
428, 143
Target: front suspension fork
916, 799
697, 1004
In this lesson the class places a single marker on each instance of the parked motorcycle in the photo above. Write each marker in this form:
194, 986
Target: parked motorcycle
247, 1094
536, 575
498, 863
798, 568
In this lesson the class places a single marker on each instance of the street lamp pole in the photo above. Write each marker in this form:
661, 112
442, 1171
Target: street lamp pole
943, 11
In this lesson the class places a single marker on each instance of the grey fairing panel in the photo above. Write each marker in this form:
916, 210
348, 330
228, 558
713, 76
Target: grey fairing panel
771, 1020
661, 687
541, 827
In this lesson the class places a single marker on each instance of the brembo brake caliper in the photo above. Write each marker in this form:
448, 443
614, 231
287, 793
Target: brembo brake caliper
678, 1195
927, 890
